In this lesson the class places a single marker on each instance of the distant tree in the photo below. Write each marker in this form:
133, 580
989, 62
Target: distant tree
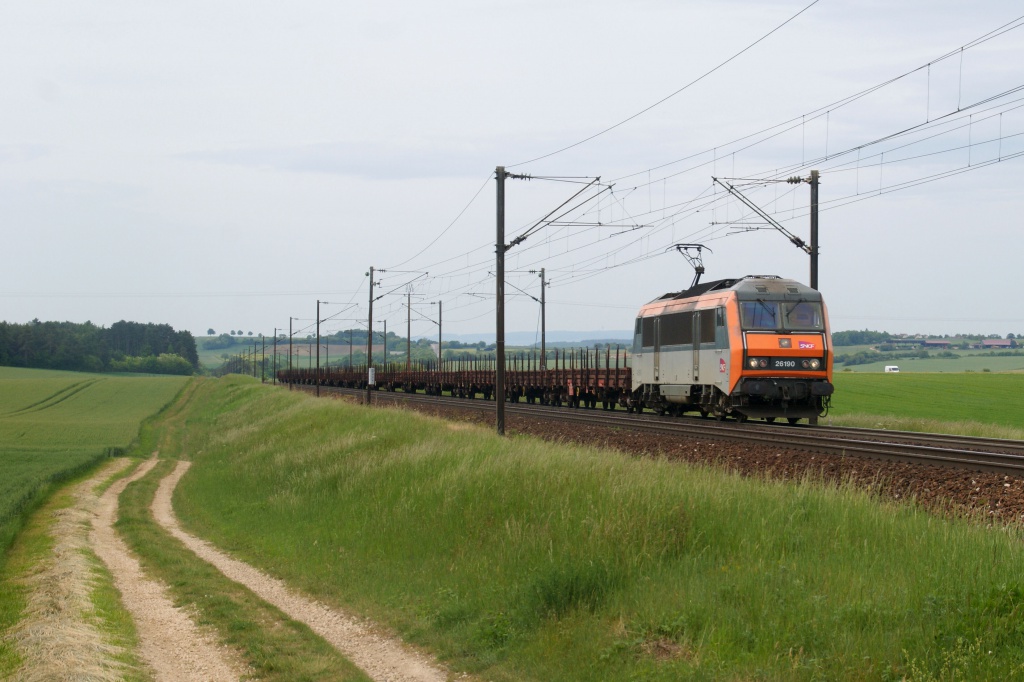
859, 338
232, 332
210, 332
222, 341
250, 333
86, 347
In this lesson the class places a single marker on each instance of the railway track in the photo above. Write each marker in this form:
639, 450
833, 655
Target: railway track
1004, 457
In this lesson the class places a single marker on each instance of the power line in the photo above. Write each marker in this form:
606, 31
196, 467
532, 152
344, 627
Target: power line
452, 223
473, 271
824, 110
665, 99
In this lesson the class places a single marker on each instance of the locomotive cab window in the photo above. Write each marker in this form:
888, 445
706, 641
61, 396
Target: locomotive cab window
759, 314
803, 316
782, 316
647, 332
707, 325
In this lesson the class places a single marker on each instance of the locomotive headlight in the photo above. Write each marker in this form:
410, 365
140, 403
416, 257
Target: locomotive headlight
753, 363
762, 363
805, 364
815, 364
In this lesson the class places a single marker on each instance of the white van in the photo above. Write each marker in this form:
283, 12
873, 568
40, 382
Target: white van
892, 368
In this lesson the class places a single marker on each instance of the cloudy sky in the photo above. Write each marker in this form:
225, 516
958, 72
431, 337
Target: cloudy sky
226, 164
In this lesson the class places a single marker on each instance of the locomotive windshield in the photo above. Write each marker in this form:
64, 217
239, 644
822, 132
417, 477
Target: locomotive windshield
782, 315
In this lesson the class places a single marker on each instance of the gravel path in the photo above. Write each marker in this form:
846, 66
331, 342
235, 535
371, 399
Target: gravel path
170, 642
382, 658
55, 638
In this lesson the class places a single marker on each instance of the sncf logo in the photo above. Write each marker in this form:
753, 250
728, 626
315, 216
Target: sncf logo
807, 345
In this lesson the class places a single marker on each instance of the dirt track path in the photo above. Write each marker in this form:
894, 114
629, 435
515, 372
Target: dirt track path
54, 638
170, 642
382, 658
58, 637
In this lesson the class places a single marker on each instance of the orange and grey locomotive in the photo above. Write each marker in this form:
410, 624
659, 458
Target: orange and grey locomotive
755, 347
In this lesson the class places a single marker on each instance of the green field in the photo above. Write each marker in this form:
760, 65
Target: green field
970, 403
968, 360
523, 560
55, 424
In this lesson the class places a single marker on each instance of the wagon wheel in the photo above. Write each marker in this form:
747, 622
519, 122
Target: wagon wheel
770, 420
792, 420
740, 417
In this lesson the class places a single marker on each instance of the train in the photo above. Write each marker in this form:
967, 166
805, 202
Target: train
756, 347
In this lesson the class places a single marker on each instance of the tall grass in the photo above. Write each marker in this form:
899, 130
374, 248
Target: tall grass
526, 560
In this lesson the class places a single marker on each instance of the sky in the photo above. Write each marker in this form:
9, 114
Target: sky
226, 165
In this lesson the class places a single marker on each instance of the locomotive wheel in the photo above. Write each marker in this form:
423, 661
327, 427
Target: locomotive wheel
703, 413
719, 409
740, 417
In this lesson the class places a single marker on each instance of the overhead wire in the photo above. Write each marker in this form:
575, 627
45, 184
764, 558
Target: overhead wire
812, 115
450, 225
690, 207
668, 97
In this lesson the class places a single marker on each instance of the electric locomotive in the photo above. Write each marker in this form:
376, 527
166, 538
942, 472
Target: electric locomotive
754, 347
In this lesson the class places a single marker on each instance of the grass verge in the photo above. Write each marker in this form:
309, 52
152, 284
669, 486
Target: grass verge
520, 559
962, 427
275, 647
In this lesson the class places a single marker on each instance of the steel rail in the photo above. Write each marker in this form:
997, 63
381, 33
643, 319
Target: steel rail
959, 452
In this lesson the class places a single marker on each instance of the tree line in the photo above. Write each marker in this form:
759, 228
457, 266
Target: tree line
85, 347
867, 338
